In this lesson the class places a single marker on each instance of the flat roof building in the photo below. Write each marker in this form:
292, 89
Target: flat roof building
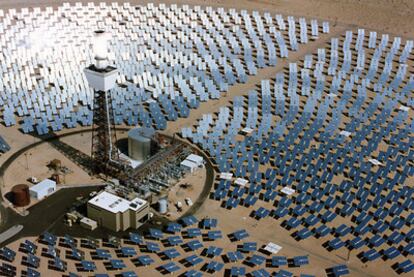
192, 162
42, 189
188, 166
198, 160
117, 213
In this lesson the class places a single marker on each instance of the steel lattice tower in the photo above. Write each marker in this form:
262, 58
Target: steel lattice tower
102, 78
104, 152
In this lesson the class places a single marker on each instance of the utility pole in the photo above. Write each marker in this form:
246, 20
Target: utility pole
27, 159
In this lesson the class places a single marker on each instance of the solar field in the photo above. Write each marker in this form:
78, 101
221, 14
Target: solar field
308, 124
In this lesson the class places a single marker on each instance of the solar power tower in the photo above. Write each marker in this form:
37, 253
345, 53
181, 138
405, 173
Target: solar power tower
102, 77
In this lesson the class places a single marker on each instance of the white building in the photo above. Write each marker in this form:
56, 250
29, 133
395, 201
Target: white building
188, 166
116, 213
241, 182
192, 162
88, 223
198, 160
226, 175
42, 189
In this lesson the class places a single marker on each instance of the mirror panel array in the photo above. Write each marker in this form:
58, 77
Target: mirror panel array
326, 147
188, 247
170, 59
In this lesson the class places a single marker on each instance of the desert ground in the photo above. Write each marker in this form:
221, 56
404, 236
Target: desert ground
393, 17
390, 16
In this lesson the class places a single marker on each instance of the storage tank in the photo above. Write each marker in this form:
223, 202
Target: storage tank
20, 195
57, 179
139, 143
163, 205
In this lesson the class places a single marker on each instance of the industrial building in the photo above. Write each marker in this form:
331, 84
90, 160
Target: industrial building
42, 189
117, 213
88, 223
198, 160
188, 166
191, 163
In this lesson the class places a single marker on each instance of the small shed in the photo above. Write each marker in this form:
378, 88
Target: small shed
42, 189
288, 190
88, 223
226, 175
241, 182
246, 131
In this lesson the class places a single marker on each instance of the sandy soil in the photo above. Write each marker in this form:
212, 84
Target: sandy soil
317, 263
252, 83
34, 163
393, 17
177, 193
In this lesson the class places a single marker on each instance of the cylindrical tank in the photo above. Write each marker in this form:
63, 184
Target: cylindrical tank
163, 205
20, 195
139, 143
56, 178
